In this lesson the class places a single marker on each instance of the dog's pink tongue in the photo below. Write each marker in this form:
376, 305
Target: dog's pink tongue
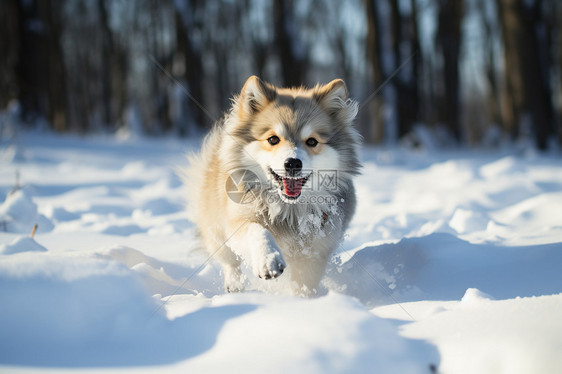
292, 186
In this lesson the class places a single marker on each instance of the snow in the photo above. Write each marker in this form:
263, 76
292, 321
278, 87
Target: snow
452, 263
21, 244
442, 267
479, 335
19, 213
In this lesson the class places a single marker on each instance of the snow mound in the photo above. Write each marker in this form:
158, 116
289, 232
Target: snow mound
83, 312
504, 166
154, 274
13, 153
441, 267
474, 295
21, 244
532, 216
465, 221
19, 214
516, 336
330, 334
55, 307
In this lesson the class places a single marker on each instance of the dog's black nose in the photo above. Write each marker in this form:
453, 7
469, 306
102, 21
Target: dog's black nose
293, 166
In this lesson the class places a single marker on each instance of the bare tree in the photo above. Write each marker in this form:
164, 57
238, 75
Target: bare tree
106, 61
527, 70
492, 76
189, 50
9, 45
40, 67
291, 51
405, 46
374, 55
448, 38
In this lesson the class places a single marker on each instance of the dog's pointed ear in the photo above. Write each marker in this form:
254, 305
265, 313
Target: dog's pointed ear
334, 98
336, 90
255, 95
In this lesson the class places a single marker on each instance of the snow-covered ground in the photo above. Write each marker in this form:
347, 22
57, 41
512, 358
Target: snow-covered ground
451, 265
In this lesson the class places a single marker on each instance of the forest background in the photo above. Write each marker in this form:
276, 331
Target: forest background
427, 73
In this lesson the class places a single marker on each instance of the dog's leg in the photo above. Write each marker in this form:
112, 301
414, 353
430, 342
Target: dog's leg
306, 273
257, 247
233, 277
230, 263
307, 267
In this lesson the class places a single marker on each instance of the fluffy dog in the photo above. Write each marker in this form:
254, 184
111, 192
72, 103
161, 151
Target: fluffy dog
272, 186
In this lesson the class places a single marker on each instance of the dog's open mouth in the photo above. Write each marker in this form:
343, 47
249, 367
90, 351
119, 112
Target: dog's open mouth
290, 186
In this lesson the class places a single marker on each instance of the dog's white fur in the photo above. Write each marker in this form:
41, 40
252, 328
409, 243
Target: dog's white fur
273, 231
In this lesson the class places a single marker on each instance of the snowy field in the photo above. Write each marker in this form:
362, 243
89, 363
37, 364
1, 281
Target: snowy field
451, 265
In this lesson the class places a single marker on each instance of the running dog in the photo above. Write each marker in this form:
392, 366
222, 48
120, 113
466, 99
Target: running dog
272, 186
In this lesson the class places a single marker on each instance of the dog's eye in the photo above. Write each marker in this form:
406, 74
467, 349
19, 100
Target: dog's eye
273, 140
311, 142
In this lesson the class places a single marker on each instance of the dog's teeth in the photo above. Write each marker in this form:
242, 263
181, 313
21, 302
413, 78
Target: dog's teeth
275, 175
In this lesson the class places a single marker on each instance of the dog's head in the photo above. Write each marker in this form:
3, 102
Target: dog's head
296, 135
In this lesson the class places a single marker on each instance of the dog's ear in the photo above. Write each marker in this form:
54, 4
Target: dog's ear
255, 95
334, 98
336, 90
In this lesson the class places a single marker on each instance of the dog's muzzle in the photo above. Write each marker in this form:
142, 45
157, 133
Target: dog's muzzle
290, 185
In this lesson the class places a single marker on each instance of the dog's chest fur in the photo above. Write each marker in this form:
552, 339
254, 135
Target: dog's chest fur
297, 227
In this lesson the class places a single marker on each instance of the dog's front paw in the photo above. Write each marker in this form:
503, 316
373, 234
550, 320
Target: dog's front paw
270, 266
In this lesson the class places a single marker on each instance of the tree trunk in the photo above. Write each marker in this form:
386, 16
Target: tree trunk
40, 66
29, 81
494, 102
417, 69
106, 63
404, 32
194, 74
291, 53
375, 131
56, 85
9, 45
450, 16
527, 71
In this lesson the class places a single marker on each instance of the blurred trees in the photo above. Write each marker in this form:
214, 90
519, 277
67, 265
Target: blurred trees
32, 67
466, 71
